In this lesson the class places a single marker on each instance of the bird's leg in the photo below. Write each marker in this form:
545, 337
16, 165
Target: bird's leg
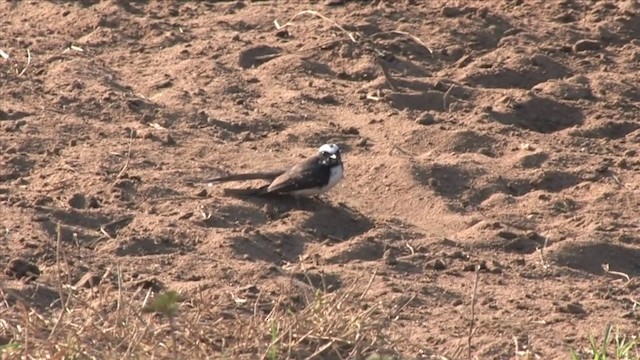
298, 202
318, 198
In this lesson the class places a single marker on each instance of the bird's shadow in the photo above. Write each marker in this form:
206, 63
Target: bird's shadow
333, 222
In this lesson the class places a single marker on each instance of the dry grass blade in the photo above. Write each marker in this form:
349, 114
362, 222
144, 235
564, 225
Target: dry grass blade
411, 36
366, 289
317, 14
472, 323
386, 74
63, 303
606, 269
445, 98
126, 163
543, 259
320, 350
28, 63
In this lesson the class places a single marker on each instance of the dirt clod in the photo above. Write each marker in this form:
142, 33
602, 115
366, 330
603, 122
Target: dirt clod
169, 140
586, 45
438, 264
389, 257
78, 201
151, 283
426, 119
574, 308
351, 130
362, 142
451, 11
20, 268
507, 234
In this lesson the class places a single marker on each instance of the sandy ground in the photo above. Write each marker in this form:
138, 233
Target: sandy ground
506, 141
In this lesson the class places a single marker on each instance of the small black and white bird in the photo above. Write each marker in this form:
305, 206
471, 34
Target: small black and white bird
314, 176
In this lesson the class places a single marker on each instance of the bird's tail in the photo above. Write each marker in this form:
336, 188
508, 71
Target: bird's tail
247, 192
269, 175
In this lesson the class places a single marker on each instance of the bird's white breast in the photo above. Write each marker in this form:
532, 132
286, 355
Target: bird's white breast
334, 177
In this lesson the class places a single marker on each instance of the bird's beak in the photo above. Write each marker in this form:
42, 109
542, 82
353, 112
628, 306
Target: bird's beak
334, 156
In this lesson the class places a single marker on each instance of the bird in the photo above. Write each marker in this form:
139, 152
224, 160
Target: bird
314, 176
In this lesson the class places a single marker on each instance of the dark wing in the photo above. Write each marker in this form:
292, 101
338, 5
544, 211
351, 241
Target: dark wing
308, 174
267, 175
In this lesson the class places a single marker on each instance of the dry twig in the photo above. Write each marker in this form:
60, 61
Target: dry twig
445, 97
606, 269
28, 62
126, 163
63, 302
473, 310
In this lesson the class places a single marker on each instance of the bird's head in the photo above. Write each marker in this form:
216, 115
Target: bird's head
330, 154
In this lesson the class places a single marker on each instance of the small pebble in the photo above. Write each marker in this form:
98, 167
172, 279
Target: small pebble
389, 258
93, 202
362, 142
439, 264
169, 140
507, 235
586, 45
450, 11
250, 289
425, 119
329, 99
622, 163
283, 33
482, 265
572, 308
351, 130
202, 193
540, 60
246, 136
20, 123
78, 201
148, 283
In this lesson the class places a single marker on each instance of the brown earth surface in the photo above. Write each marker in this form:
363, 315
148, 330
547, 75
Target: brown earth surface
507, 141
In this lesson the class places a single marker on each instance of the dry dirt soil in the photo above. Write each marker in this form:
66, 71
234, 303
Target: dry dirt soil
501, 145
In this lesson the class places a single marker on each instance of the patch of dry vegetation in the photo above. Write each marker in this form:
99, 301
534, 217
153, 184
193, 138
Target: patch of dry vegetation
108, 321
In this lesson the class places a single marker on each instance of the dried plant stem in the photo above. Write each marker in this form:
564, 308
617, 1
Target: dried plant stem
28, 63
473, 309
126, 163
445, 97
63, 301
